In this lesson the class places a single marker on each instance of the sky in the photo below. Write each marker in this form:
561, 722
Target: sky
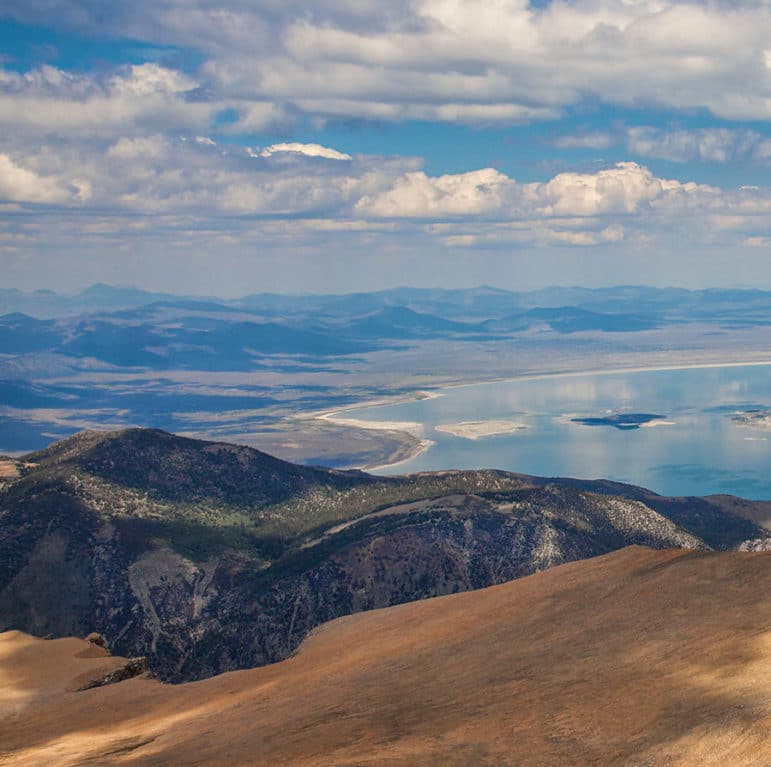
237, 146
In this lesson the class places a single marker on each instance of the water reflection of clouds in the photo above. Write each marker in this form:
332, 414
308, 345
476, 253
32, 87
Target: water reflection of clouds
733, 407
680, 459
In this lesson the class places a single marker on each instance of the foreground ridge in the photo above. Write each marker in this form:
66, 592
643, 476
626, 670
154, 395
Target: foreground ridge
636, 657
206, 557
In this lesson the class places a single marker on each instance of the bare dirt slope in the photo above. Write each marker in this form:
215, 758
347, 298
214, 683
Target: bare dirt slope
639, 657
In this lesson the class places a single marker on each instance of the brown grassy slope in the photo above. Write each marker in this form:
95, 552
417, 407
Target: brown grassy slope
639, 657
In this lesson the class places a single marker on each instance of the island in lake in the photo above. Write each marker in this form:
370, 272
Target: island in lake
623, 420
479, 429
759, 419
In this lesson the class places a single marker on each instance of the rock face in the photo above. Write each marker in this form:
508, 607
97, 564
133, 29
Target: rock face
206, 557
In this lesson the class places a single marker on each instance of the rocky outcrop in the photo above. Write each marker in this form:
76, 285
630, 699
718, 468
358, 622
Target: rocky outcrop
132, 668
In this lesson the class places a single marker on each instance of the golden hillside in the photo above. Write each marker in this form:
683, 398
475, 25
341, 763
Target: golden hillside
639, 657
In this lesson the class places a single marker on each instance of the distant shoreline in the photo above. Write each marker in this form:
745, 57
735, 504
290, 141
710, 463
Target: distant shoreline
415, 430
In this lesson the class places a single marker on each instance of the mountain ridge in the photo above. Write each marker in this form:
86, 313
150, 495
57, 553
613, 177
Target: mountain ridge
207, 557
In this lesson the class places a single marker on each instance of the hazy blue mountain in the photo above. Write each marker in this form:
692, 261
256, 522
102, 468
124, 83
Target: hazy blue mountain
137, 338
97, 298
21, 334
571, 319
472, 304
401, 322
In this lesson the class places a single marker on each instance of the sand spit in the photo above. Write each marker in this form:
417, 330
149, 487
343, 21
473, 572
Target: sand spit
478, 429
411, 448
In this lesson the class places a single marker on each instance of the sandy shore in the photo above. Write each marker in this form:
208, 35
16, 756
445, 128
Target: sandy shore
411, 428
415, 430
478, 429
423, 446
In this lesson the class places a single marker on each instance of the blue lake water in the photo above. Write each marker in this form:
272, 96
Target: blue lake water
703, 451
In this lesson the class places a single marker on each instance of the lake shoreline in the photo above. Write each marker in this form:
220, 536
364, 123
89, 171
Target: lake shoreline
414, 430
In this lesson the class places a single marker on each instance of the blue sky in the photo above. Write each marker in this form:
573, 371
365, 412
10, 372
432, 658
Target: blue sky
228, 147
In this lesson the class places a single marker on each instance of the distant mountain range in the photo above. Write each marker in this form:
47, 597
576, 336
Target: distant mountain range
207, 557
459, 304
127, 327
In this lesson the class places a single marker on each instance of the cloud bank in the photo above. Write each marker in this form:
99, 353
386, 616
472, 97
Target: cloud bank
477, 61
211, 147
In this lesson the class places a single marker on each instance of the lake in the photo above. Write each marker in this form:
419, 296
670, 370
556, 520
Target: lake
693, 448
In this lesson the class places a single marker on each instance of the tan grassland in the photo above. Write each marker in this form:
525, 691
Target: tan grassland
639, 657
8, 469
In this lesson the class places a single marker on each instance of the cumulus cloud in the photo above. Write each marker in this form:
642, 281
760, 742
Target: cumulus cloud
309, 150
416, 195
159, 176
156, 195
478, 61
536, 233
622, 189
146, 98
589, 140
20, 184
626, 188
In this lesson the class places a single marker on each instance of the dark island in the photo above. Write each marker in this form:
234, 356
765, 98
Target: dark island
620, 420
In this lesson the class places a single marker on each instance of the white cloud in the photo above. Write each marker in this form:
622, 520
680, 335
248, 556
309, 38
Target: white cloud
623, 189
20, 184
416, 195
472, 61
146, 98
160, 177
709, 145
535, 232
149, 147
309, 150
148, 80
